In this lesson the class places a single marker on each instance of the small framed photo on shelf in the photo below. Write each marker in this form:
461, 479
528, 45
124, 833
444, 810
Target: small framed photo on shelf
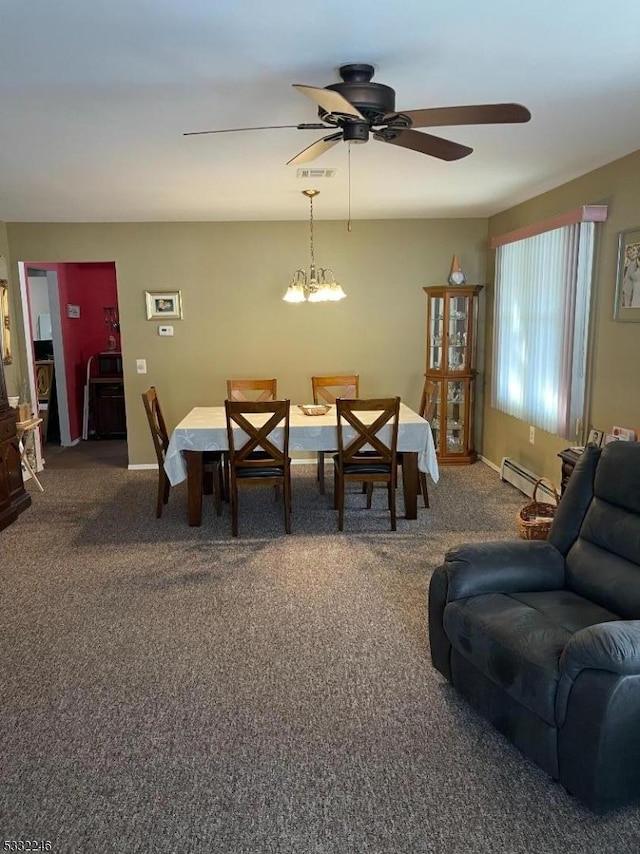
609, 437
627, 301
595, 437
163, 305
624, 434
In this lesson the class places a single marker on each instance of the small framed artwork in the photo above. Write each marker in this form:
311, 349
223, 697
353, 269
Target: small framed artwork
164, 304
595, 437
624, 434
609, 437
627, 302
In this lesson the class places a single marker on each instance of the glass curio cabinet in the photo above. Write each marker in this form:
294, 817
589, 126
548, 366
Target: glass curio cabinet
452, 318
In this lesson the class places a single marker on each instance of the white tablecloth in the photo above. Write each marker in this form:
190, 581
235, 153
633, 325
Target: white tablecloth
205, 429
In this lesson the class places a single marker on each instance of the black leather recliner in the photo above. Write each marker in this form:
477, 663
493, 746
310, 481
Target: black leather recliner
543, 637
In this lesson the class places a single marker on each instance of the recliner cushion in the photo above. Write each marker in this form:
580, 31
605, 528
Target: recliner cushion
516, 640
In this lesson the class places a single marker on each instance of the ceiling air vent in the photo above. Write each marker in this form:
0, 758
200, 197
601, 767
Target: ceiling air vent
315, 173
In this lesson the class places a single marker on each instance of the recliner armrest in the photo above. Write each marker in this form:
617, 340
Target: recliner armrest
614, 647
503, 567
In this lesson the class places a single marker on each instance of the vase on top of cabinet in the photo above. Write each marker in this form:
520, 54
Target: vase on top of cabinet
452, 319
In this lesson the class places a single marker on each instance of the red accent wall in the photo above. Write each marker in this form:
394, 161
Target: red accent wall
92, 286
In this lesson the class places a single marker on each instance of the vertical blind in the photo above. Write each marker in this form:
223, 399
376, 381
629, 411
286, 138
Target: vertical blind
541, 319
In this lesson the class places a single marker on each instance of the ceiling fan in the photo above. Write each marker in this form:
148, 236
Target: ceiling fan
355, 108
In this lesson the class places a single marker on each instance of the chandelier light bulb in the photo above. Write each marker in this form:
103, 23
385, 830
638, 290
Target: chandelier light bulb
319, 285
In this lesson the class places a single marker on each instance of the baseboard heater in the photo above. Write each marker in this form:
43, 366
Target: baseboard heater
523, 479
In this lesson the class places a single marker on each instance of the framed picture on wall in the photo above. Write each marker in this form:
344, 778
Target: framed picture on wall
164, 305
627, 303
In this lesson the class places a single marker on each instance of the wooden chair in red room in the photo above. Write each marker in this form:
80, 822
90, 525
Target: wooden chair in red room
327, 390
255, 458
212, 459
364, 456
252, 389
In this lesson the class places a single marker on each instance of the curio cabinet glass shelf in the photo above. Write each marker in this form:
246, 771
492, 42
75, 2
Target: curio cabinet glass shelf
452, 319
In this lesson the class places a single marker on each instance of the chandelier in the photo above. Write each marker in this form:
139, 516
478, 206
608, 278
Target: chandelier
318, 285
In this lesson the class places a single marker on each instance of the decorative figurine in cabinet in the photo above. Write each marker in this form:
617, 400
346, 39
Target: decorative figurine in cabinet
452, 318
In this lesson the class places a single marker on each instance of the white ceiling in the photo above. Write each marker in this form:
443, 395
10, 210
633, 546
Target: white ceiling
96, 94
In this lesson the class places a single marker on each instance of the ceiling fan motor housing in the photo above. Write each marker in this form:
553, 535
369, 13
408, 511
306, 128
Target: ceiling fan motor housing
374, 100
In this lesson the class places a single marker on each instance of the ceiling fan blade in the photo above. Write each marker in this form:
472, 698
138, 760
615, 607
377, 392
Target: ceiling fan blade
315, 149
476, 114
302, 126
425, 143
332, 102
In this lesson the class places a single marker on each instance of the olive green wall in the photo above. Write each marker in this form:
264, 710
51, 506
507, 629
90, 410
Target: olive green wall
614, 385
12, 372
233, 276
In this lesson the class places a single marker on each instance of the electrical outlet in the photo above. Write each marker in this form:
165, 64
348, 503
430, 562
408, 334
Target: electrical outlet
532, 434
141, 366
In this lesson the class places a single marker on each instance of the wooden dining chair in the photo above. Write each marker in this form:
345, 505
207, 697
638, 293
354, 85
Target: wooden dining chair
252, 389
249, 390
363, 455
212, 459
327, 390
427, 409
254, 456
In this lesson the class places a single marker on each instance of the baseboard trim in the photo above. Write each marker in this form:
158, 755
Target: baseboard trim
489, 463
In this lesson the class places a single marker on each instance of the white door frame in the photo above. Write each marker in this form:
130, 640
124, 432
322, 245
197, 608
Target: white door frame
58, 354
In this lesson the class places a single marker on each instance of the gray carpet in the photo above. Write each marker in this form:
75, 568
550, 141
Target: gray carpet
167, 689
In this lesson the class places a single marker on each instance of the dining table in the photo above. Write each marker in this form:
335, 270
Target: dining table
204, 428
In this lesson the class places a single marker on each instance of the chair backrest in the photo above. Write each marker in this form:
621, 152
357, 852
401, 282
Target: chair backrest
429, 400
156, 423
252, 389
255, 435
601, 504
328, 389
376, 436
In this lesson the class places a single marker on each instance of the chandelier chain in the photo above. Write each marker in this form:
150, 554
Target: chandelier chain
313, 260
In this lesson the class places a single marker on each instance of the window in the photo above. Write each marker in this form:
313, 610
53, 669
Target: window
541, 320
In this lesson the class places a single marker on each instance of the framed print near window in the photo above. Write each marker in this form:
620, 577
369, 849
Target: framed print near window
627, 305
163, 305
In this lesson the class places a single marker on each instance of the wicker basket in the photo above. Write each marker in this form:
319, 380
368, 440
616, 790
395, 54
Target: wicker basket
535, 518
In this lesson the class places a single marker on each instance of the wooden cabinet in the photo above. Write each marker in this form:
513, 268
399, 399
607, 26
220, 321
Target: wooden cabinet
569, 459
107, 405
13, 496
452, 318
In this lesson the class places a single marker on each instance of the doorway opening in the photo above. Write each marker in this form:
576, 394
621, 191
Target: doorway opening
71, 323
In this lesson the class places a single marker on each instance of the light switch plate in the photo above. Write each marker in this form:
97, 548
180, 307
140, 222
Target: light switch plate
165, 330
141, 366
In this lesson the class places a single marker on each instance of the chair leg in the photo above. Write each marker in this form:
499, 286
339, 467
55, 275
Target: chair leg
320, 472
218, 489
234, 508
163, 492
225, 476
340, 503
286, 489
423, 487
369, 488
392, 503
